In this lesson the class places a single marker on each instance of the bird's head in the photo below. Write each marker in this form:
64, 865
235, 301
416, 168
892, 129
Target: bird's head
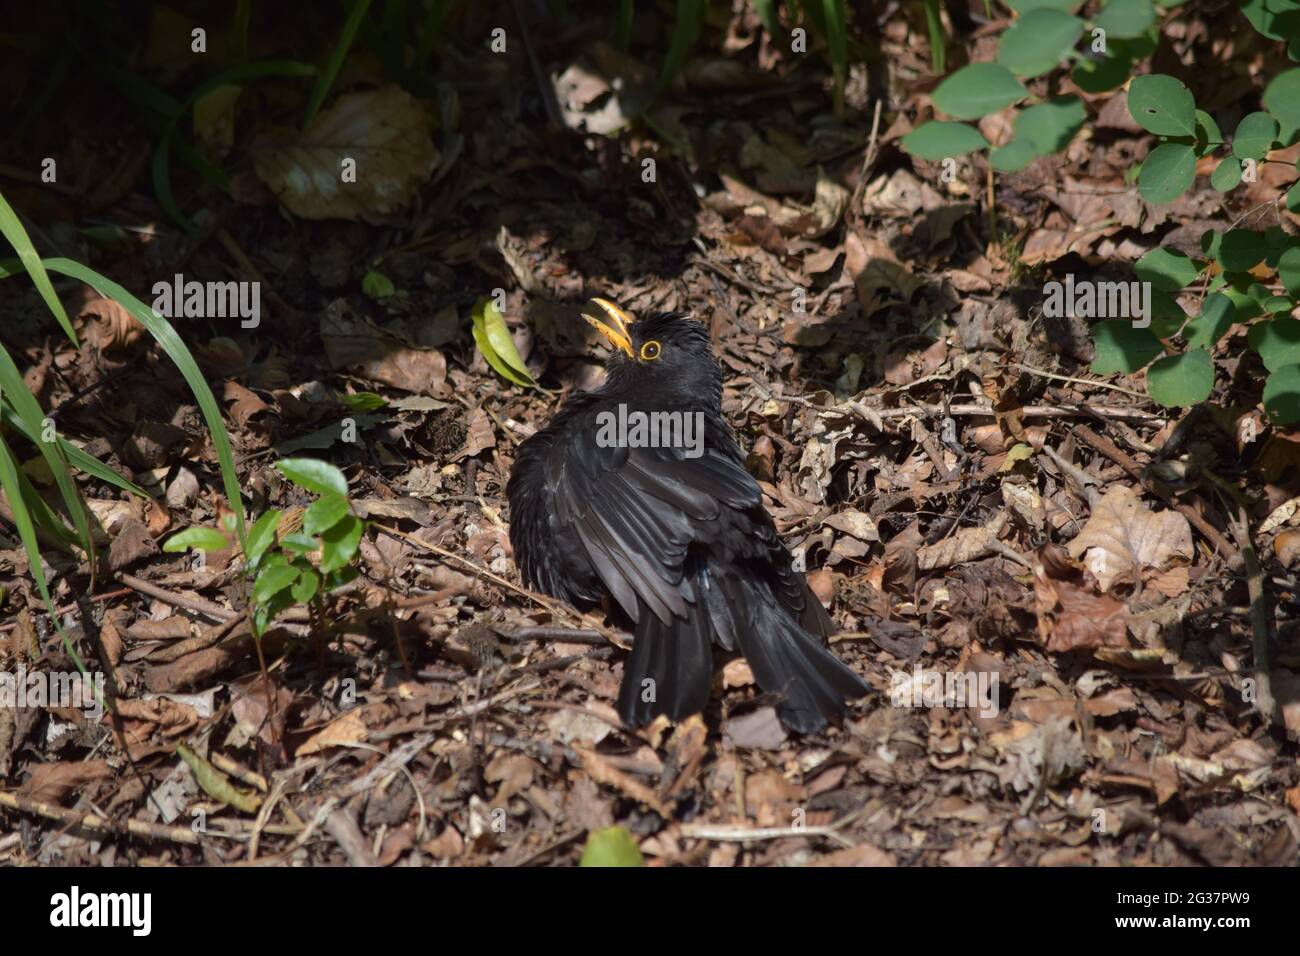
665, 351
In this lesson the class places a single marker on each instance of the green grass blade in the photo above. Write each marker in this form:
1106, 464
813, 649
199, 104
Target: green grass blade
176, 349
17, 236
686, 32
623, 25
837, 41
938, 43
9, 481
29, 410
78, 459
331, 72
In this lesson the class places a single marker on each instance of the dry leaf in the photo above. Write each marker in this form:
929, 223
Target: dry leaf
1124, 537
380, 137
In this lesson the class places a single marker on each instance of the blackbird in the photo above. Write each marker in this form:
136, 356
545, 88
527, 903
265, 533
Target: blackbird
667, 522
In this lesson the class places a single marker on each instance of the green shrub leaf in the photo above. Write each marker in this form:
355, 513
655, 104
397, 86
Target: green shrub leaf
261, 536
1277, 341
977, 90
339, 543
1167, 269
314, 475
1038, 41
1227, 175
1282, 395
1125, 19
1180, 380
1282, 100
1242, 250
1122, 348
1050, 126
1167, 172
325, 513
938, 140
1288, 270
1162, 105
612, 846
206, 540
1217, 315
1254, 137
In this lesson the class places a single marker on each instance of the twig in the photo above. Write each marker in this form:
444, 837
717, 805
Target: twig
93, 821
1075, 381
195, 604
1239, 523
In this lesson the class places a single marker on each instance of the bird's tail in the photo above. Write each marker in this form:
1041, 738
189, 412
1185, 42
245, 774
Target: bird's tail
789, 661
669, 670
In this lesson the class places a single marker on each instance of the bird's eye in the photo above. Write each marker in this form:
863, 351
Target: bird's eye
650, 351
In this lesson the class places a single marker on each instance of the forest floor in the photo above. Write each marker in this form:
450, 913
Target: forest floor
967, 497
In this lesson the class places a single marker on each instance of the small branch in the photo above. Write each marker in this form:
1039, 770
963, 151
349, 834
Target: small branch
1239, 523
93, 821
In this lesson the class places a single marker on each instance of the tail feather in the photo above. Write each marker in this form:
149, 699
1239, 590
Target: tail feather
787, 660
677, 661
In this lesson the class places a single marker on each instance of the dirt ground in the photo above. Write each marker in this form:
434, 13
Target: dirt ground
934, 450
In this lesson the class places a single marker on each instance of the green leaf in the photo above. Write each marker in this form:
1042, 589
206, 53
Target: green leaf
1282, 395
1278, 304
1208, 136
1024, 6
314, 475
1167, 269
939, 140
337, 56
327, 511
165, 335
1227, 175
1242, 250
492, 336
363, 401
1050, 126
376, 285
1293, 198
686, 32
1277, 341
1271, 17
1167, 172
339, 543
13, 231
977, 90
1180, 380
1125, 19
1122, 348
272, 580
308, 583
1162, 105
1094, 75
612, 846
1254, 137
206, 540
1288, 270
299, 543
261, 536
1282, 100
1038, 41
1014, 156
1217, 315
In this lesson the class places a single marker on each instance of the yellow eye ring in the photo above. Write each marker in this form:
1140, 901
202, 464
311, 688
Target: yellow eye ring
650, 351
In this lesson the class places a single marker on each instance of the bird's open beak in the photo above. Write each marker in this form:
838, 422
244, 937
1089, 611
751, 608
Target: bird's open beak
615, 331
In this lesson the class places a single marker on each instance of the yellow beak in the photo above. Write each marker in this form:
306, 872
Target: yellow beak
615, 331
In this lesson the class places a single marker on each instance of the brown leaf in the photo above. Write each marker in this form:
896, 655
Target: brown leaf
382, 134
54, 782
1124, 537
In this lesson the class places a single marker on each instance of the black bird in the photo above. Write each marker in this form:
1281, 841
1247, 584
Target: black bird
676, 535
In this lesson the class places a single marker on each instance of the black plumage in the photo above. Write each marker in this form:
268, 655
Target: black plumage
678, 537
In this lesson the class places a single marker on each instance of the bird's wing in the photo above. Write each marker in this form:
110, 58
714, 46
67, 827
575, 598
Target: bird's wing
637, 511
